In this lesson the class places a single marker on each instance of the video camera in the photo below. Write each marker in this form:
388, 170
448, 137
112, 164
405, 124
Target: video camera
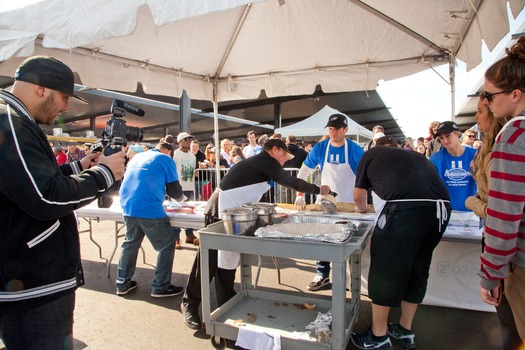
115, 136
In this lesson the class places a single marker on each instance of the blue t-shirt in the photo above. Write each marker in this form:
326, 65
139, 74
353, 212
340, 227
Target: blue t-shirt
336, 155
144, 186
455, 173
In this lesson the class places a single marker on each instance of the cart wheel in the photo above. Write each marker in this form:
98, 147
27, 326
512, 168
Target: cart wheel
221, 344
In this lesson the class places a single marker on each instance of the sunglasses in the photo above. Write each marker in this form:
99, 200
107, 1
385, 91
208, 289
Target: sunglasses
471, 136
488, 95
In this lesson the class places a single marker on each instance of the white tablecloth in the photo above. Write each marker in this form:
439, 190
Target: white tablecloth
114, 213
453, 276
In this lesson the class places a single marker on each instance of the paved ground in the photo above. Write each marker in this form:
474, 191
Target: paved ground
137, 321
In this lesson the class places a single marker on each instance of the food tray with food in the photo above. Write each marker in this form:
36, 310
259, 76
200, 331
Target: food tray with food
308, 228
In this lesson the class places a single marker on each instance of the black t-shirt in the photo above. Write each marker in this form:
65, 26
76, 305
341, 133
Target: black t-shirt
261, 168
394, 173
201, 157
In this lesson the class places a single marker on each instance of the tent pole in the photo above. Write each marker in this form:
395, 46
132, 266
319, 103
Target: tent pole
452, 72
216, 133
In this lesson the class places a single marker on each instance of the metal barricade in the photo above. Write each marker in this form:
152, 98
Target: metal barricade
205, 182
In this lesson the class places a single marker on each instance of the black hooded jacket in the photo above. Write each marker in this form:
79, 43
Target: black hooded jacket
39, 242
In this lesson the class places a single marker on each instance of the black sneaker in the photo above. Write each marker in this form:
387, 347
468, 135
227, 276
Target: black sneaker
406, 337
191, 319
171, 291
132, 285
318, 283
366, 341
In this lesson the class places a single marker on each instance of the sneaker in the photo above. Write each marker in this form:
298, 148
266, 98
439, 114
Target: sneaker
171, 291
366, 341
318, 283
196, 242
190, 240
406, 337
191, 319
132, 285
178, 245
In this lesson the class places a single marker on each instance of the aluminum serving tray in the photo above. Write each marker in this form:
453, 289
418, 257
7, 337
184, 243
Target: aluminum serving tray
335, 230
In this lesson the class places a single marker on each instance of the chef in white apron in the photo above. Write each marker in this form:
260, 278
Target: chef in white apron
338, 158
339, 176
246, 182
412, 216
235, 198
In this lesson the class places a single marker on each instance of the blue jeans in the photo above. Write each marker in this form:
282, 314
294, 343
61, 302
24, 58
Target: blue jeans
162, 239
40, 327
323, 268
188, 231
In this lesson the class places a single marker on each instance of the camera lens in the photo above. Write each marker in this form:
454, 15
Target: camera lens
134, 134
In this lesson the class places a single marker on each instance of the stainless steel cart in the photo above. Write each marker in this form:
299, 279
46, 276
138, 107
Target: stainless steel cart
278, 312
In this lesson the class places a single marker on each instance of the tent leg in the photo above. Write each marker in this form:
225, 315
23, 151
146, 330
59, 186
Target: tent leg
452, 72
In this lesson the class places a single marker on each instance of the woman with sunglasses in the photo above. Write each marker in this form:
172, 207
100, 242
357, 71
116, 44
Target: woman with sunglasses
504, 255
468, 138
480, 170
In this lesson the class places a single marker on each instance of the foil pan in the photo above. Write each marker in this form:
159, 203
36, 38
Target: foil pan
310, 229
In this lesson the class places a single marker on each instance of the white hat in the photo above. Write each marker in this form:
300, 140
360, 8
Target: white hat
183, 135
378, 135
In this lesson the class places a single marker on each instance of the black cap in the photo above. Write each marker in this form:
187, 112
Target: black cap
337, 121
48, 72
446, 128
268, 145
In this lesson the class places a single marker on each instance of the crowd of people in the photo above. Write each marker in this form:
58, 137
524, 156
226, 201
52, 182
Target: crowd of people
413, 187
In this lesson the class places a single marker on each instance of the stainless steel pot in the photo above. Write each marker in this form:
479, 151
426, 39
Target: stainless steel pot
240, 221
265, 211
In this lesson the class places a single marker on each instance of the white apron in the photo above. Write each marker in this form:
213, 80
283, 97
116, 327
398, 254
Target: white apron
441, 210
378, 204
231, 199
340, 177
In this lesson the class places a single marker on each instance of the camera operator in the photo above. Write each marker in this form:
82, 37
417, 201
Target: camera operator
40, 266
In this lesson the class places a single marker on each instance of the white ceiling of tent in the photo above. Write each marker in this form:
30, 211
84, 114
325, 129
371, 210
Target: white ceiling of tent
284, 47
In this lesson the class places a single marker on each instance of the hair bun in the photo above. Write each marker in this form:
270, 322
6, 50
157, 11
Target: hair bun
517, 51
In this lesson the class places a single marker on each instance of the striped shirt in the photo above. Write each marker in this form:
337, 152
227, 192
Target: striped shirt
505, 223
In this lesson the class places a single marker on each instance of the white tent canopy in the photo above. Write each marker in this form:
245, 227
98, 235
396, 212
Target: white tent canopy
315, 126
222, 50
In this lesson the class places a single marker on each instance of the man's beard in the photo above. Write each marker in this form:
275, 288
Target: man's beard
47, 114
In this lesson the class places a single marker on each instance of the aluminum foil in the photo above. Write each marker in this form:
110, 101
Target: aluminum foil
310, 229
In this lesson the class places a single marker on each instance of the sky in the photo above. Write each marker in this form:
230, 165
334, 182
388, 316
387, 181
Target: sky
417, 100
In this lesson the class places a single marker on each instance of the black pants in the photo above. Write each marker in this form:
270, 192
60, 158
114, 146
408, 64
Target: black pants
40, 327
224, 281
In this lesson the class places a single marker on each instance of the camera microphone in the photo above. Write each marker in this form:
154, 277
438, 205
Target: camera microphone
128, 107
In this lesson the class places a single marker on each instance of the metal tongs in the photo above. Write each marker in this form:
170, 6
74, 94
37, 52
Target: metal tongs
328, 206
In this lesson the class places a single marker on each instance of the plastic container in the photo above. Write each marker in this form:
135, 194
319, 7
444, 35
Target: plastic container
240, 221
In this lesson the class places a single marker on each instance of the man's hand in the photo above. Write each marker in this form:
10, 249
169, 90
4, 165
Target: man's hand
325, 189
300, 203
90, 160
115, 162
357, 210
